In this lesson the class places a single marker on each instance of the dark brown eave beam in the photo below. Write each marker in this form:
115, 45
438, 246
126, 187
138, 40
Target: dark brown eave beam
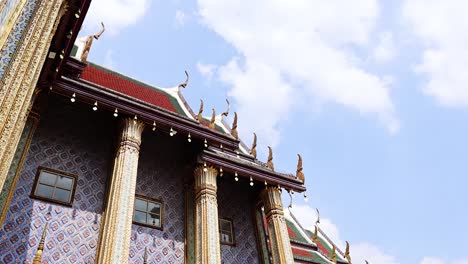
255, 172
149, 113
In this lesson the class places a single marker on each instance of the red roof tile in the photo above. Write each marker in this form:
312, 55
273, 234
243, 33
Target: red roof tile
125, 85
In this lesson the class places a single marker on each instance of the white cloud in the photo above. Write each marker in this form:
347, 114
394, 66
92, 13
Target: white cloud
206, 70
298, 50
439, 25
180, 18
360, 251
385, 49
116, 14
109, 59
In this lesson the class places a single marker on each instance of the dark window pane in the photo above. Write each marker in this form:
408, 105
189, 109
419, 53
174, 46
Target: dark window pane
154, 208
64, 182
47, 178
44, 191
225, 225
139, 217
140, 204
62, 195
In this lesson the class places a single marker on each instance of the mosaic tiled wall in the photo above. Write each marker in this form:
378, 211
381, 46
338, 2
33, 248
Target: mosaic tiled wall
161, 171
234, 203
72, 140
15, 36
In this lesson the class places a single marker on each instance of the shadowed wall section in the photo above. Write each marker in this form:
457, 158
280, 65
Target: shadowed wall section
72, 140
234, 203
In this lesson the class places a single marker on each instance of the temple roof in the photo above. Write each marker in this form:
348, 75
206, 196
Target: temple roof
304, 249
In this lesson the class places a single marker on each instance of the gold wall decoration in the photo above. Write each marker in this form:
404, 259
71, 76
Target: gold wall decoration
277, 230
114, 243
10, 10
19, 81
207, 247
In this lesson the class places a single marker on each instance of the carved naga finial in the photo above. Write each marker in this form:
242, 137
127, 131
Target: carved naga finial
226, 113
315, 236
38, 257
333, 254
184, 84
253, 150
318, 216
299, 173
199, 116
234, 132
213, 119
270, 159
89, 42
347, 254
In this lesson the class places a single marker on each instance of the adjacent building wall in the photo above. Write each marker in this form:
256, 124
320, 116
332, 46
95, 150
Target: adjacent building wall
73, 140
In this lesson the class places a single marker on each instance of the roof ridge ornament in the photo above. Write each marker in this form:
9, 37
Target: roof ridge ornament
299, 173
184, 84
253, 150
226, 113
269, 163
315, 236
199, 116
333, 254
234, 132
318, 216
347, 254
213, 119
89, 42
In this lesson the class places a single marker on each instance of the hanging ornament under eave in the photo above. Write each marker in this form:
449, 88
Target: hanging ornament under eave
189, 137
116, 113
172, 132
154, 126
235, 176
221, 172
95, 106
305, 197
204, 167
251, 181
73, 98
206, 143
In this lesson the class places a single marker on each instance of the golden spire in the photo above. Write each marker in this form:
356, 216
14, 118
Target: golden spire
145, 256
253, 150
315, 236
213, 119
184, 84
234, 127
38, 257
333, 255
299, 173
226, 113
200, 111
346, 254
270, 159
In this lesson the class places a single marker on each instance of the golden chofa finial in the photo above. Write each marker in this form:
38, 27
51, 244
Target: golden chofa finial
333, 254
226, 113
253, 150
315, 236
89, 42
213, 119
38, 257
145, 256
346, 254
270, 159
199, 116
184, 84
234, 127
299, 173
318, 216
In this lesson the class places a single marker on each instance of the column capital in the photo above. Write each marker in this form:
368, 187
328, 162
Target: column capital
205, 178
273, 204
131, 131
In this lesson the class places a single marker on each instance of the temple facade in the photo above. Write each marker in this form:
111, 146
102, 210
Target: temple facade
97, 167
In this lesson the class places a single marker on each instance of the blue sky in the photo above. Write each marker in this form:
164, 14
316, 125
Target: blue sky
373, 94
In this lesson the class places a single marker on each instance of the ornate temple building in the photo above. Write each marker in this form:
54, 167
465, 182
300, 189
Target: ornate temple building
97, 167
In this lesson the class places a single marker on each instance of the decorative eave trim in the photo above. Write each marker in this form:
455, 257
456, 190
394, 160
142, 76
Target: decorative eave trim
248, 169
145, 111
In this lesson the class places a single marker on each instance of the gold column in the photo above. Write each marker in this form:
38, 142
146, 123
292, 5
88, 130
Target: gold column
19, 81
207, 247
277, 230
117, 220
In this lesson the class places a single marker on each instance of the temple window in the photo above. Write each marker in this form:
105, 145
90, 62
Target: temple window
54, 186
226, 231
148, 212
